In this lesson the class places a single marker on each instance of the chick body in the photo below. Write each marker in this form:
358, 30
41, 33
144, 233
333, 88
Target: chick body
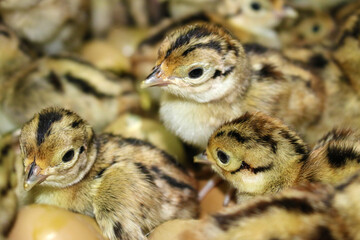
309, 212
52, 25
67, 82
258, 154
228, 81
126, 184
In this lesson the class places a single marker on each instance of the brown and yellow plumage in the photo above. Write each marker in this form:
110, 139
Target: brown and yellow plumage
126, 184
209, 78
69, 82
312, 211
259, 154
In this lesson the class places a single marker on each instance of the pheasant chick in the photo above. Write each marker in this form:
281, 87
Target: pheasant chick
127, 185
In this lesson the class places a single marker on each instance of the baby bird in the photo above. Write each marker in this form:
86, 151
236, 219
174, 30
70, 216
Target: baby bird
127, 185
52, 25
310, 27
259, 154
69, 82
256, 154
303, 213
346, 51
209, 78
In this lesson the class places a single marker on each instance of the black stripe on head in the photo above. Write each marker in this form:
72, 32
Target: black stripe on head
55, 81
244, 118
337, 155
46, 119
170, 180
85, 86
299, 148
212, 45
234, 134
5, 33
219, 134
197, 32
118, 230
295, 205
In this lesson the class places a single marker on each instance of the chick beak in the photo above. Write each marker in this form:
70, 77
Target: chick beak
33, 176
155, 79
201, 158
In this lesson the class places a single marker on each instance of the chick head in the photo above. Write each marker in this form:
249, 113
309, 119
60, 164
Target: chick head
55, 147
201, 62
256, 153
255, 13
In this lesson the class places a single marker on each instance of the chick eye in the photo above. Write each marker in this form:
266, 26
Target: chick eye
68, 156
196, 73
316, 28
223, 157
255, 6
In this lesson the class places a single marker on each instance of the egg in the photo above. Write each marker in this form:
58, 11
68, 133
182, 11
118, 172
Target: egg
43, 222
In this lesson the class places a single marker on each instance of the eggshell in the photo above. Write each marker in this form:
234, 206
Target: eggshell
43, 222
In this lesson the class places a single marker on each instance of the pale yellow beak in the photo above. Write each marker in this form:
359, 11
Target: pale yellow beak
201, 158
33, 176
155, 79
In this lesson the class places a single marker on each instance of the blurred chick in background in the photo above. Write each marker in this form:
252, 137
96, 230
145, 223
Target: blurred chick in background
127, 185
208, 78
69, 82
51, 25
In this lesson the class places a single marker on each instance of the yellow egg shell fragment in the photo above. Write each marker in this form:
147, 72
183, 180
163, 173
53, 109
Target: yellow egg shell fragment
43, 222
